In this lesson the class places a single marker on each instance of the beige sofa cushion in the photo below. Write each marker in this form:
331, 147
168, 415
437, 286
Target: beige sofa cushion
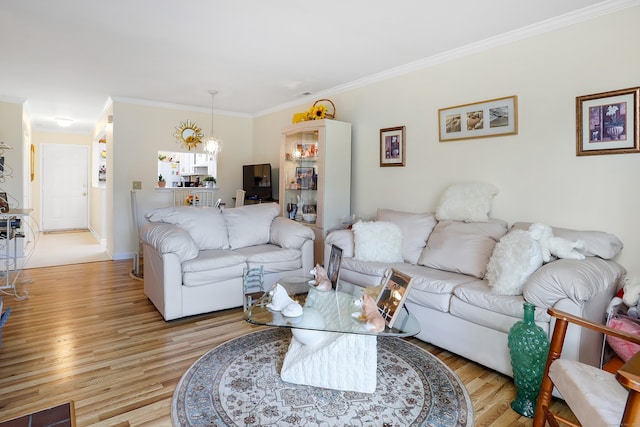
169, 239
205, 225
250, 225
596, 243
290, 234
578, 280
415, 227
462, 247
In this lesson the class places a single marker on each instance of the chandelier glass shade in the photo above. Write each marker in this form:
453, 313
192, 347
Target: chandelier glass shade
212, 144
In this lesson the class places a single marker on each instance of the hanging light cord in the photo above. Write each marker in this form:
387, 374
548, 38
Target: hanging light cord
212, 92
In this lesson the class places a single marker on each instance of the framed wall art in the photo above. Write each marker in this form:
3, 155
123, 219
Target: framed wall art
392, 146
607, 123
495, 117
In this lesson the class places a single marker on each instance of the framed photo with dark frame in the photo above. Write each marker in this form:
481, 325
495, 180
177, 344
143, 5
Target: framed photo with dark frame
333, 266
4, 202
495, 117
304, 177
392, 146
608, 122
394, 292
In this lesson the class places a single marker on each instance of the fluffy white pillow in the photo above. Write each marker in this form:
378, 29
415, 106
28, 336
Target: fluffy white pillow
515, 258
469, 202
379, 241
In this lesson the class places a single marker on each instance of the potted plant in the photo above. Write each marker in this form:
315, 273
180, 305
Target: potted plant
209, 181
161, 182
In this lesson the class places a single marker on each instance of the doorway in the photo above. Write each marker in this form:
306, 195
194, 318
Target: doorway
64, 196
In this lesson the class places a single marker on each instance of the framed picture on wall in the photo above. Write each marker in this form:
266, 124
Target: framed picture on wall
496, 117
608, 122
392, 146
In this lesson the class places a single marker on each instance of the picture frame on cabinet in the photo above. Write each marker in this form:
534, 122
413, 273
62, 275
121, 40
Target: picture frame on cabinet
608, 122
495, 117
392, 146
304, 178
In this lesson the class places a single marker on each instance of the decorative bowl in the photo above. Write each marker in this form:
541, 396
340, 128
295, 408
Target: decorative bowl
309, 217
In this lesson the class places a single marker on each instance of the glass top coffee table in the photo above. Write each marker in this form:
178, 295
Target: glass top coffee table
330, 347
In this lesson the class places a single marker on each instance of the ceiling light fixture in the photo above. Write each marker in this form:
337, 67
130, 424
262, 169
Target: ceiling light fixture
63, 122
212, 144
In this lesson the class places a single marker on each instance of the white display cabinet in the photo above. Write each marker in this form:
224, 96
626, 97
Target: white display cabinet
315, 175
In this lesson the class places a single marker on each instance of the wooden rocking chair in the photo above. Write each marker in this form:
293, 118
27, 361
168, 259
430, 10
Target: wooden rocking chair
596, 397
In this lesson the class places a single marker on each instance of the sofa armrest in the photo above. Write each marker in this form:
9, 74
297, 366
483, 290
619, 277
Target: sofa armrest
169, 238
577, 280
342, 239
289, 234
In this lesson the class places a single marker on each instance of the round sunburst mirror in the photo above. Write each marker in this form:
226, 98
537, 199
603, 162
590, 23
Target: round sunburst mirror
188, 134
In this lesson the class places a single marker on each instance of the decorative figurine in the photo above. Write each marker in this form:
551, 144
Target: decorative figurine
281, 301
321, 281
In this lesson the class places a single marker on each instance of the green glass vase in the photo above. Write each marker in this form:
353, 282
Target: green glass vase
528, 347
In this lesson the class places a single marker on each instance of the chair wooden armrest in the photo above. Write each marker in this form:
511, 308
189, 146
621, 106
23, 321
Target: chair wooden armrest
628, 375
561, 315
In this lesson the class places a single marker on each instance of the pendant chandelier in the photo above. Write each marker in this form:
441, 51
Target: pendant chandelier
212, 144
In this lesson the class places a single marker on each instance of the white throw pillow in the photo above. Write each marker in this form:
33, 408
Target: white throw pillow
379, 241
250, 225
469, 202
515, 258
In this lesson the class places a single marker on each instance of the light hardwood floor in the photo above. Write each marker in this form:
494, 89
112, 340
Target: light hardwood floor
87, 333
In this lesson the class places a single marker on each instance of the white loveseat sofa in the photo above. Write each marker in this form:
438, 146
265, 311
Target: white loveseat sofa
451, 298
195, 257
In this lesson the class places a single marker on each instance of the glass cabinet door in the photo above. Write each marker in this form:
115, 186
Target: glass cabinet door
301, 154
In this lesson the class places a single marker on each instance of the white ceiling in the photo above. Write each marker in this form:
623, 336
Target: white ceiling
65, 58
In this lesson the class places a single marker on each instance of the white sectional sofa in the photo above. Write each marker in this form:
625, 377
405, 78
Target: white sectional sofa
195, 257
452, 299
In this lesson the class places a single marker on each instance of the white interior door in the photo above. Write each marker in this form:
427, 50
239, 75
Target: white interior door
64, 190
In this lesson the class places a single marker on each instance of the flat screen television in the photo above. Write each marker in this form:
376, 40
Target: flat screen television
256, 181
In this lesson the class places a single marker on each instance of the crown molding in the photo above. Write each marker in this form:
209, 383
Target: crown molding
168, 105
591, 12
12, 99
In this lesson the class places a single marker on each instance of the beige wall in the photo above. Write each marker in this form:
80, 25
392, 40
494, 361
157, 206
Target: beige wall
12, 134
539, 176
139, 131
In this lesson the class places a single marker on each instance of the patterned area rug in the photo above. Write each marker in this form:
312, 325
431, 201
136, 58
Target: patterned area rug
238, 384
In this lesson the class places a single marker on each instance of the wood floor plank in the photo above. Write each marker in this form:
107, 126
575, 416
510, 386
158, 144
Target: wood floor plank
87, 333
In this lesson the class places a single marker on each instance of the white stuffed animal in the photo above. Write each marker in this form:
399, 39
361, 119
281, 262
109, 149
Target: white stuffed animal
281, 301
556, 246
631, 296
